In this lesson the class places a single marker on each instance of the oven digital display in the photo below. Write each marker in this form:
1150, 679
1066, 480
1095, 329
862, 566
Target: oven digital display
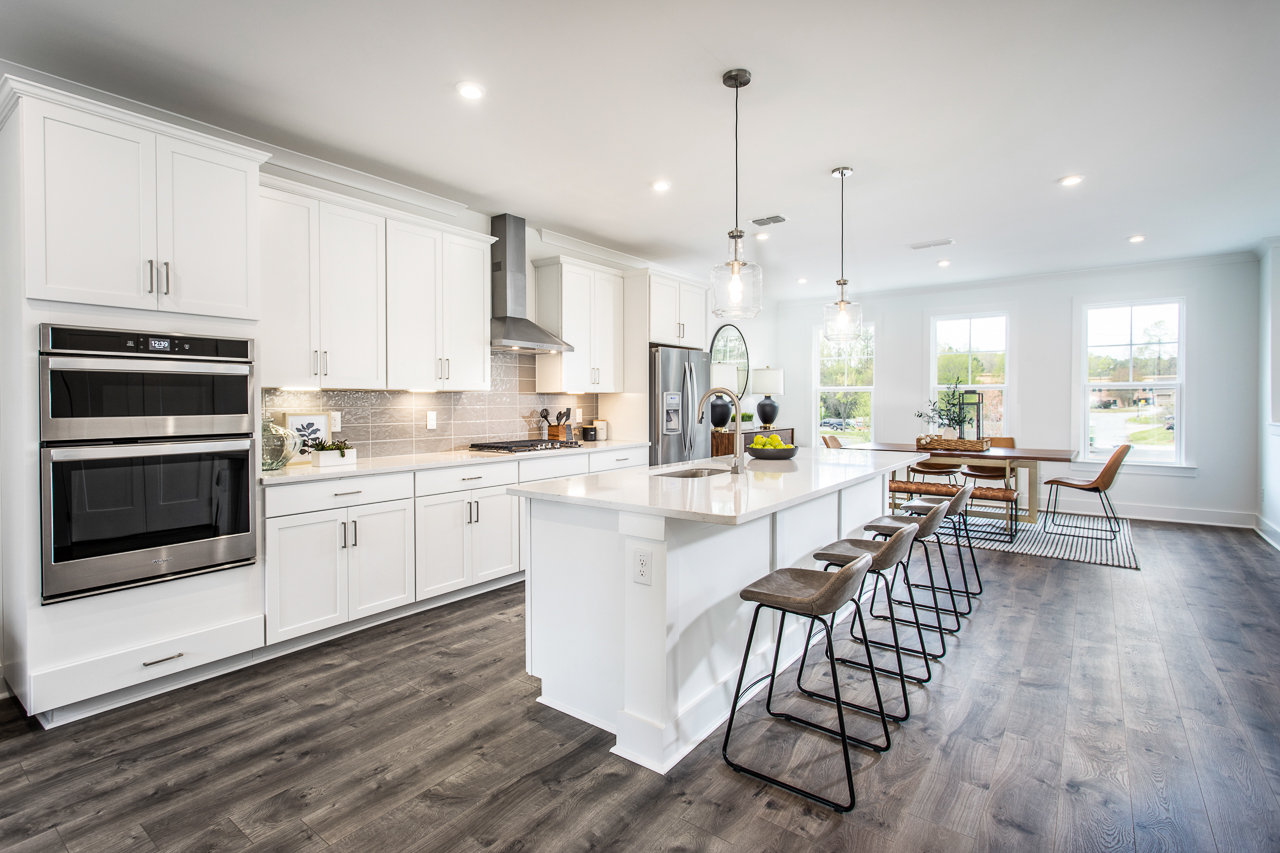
158, 344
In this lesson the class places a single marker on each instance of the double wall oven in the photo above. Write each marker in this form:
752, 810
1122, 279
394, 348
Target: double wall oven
147, 451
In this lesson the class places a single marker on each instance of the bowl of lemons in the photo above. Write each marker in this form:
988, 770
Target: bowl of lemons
770, 447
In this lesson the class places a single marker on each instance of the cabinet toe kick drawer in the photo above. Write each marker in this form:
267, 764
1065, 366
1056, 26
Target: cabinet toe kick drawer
438, 481
613, 460
74, 682
336, 494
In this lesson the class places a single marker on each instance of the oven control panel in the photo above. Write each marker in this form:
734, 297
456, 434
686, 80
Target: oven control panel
69, 339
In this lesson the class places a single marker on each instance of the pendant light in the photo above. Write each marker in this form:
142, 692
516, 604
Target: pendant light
842, 319
738, 287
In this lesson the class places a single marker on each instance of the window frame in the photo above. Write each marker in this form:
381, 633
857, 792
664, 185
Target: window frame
1085, 387
933, 388
815, 402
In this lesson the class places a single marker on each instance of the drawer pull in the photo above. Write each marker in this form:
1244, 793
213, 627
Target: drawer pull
162, 660
344, 494
623, 459
465, 479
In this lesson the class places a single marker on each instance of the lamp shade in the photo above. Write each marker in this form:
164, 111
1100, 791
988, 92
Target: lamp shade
724, 375
766, 380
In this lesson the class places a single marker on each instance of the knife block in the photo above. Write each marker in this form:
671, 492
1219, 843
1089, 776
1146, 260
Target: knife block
558, 433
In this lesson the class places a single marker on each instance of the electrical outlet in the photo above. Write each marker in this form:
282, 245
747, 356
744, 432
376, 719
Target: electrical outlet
335, 421
642, 566
431, 419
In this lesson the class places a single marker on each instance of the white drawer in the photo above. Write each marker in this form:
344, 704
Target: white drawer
335, 494
441, 480
85, 679
612, 460
552, 467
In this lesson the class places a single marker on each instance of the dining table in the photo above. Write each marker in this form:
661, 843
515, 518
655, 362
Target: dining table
1020, 463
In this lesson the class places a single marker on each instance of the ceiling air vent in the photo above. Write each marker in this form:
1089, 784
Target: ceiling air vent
769, 220
931, 244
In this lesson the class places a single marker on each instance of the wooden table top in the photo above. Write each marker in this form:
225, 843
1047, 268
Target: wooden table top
1020, 454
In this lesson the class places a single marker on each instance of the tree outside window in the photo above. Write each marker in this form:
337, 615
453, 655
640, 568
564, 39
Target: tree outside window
971, 351
846, 376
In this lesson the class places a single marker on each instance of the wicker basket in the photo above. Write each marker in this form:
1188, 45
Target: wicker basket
937, 442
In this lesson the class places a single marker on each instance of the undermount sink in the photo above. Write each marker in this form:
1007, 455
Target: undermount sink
692, 473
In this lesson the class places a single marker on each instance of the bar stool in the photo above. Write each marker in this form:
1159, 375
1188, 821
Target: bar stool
886, 526
885, 555
957, 505
813, 595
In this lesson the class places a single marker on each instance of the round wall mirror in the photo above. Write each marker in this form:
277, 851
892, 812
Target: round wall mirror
730, 347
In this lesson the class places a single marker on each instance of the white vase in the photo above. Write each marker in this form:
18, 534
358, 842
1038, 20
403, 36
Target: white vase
949, 433
325, 458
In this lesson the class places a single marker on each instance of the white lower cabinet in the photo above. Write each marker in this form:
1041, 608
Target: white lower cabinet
331, 566
465, 538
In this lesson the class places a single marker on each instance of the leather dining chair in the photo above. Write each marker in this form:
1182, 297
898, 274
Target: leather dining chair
832, 442
1099, 485
992, 472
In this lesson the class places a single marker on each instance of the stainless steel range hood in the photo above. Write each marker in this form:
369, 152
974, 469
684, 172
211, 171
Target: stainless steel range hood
510, 326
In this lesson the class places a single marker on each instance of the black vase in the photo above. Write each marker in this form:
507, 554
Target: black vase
720, 411
767, 411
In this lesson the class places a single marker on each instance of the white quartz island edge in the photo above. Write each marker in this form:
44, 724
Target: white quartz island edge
634, 623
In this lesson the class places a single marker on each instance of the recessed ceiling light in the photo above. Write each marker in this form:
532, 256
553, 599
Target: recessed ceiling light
762, 236
1071, 180
470, 90
944, 263
662, 186
804, 281
1136, 238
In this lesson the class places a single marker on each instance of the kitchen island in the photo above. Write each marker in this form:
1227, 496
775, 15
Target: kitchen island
634, 623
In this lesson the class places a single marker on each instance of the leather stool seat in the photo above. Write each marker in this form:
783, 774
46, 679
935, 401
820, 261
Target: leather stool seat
808, 592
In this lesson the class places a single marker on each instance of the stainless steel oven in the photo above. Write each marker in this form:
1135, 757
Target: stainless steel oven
147, 458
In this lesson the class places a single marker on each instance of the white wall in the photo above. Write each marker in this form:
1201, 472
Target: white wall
1269, 395
761, 335
1220, 415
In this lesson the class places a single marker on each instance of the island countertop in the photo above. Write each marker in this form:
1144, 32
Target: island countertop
766, 486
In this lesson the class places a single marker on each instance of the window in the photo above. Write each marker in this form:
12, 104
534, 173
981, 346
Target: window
971, 351
1133, 391
846, 374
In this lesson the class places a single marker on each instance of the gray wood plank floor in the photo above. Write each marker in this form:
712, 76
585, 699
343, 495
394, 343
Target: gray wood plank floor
1080, 708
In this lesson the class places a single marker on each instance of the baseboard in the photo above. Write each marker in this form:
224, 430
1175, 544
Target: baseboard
1269, 532
1089, 505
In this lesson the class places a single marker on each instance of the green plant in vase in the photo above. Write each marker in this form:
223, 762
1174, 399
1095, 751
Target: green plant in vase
319, 444
946, 412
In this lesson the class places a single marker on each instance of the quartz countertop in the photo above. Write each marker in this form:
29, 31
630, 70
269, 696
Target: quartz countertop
766, 487
423, 461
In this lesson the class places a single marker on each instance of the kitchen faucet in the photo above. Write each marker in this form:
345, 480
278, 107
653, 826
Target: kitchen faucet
739, 460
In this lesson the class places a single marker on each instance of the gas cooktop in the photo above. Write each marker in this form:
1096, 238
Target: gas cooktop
524, 446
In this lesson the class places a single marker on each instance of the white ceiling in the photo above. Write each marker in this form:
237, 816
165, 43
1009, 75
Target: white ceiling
957, 118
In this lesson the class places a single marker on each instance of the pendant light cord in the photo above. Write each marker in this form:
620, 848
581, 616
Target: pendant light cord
735, 157
842, 232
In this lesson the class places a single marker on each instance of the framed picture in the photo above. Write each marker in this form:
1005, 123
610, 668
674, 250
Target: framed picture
310, 426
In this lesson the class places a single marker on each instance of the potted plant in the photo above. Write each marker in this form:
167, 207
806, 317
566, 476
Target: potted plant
946, 412
326, 453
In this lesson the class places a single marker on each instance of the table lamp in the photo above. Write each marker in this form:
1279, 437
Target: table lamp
723, 375
767, 381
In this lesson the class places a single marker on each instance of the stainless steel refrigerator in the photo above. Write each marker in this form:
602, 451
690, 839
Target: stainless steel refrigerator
677, 380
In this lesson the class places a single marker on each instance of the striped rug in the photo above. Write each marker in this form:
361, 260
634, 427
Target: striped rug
1033, 540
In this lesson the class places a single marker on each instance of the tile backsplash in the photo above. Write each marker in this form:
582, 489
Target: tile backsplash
394, 423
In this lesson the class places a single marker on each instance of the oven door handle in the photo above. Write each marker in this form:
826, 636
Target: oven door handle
125, 451
133, 365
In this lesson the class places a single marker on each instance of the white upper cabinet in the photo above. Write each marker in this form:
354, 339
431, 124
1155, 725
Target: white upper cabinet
415, 262
583, 305
111, 200
664, 310
353, 299
288, 343
677, 309
693, 316
465, 310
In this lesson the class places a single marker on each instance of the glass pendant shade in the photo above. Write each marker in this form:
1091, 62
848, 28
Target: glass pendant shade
842, 322
737, 286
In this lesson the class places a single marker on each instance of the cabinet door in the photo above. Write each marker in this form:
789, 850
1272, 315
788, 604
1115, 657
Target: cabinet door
576, 328
380, 557
664, 311
606, 332
467, 297
353, 299
495, 534
415, 261
306, 573
287, 351
90, 208
207, 230
443, 543
693, 316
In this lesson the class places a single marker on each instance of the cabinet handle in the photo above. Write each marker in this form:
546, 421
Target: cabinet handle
468, 512
344, 534
343, 494
439, 368
623, 459
477, 512
161, 660
465, 479
324, 362
355, 534
447, 371
166, 278
315, 362
151, 284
